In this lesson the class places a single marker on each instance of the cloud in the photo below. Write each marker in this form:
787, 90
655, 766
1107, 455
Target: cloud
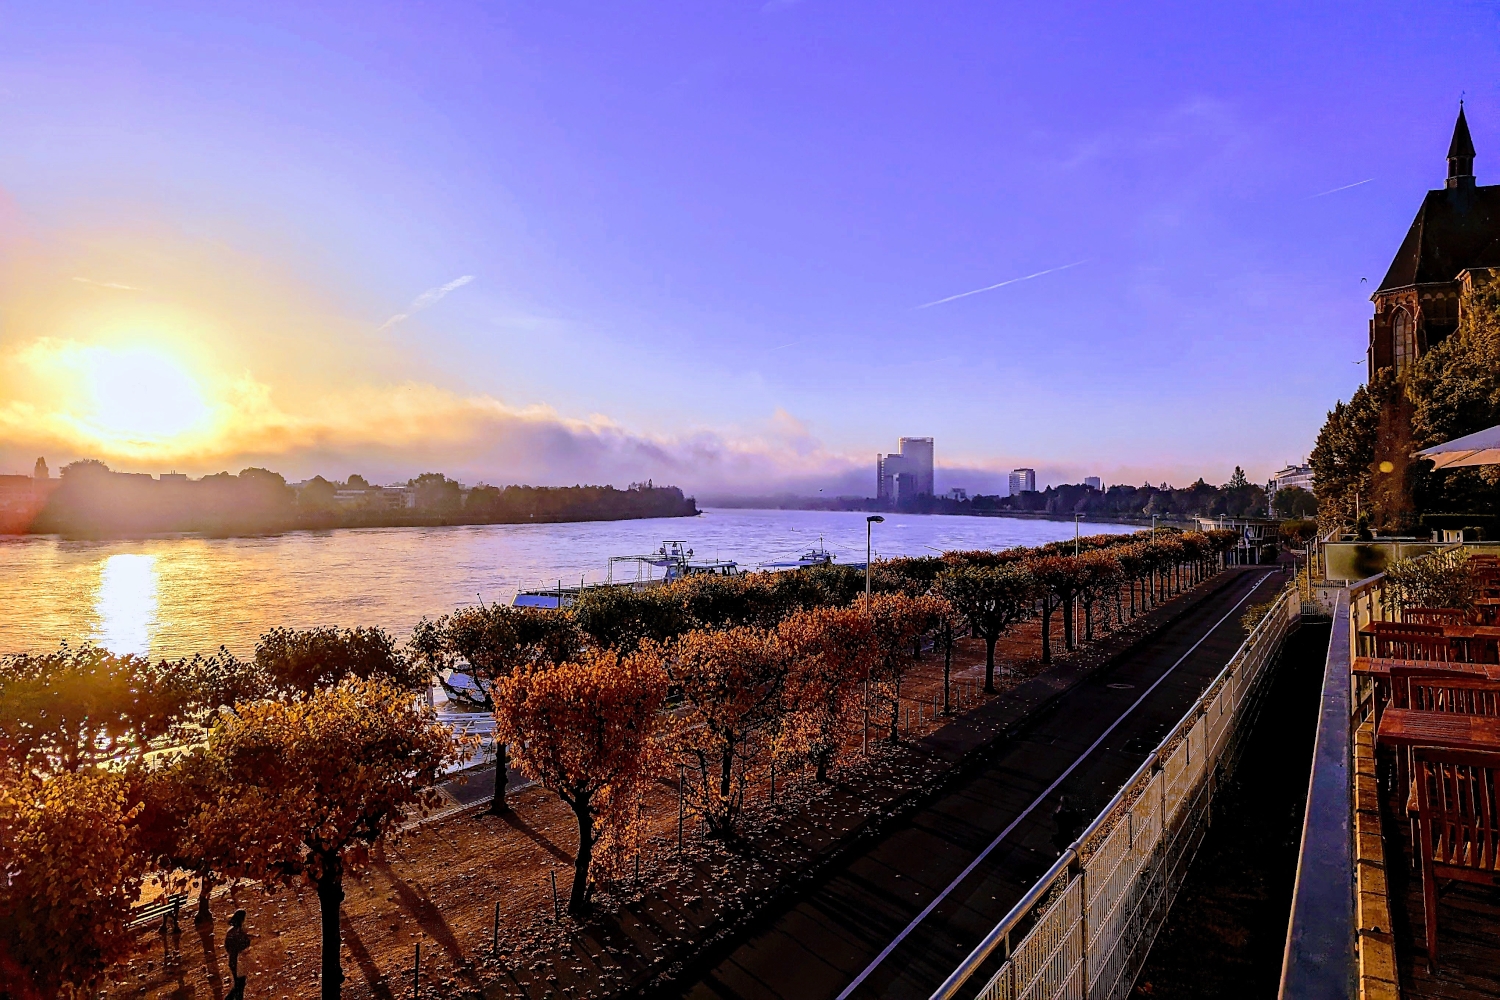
1001, 284
424, 300
107, 284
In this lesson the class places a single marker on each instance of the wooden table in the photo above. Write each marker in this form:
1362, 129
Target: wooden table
1402, 727
1379, 667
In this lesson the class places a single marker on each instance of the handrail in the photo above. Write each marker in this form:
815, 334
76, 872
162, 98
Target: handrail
1000, 934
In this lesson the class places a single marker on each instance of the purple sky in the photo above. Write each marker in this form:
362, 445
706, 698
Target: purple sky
720, 226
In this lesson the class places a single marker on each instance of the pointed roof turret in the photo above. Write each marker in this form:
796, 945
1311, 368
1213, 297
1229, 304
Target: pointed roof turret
1461, 153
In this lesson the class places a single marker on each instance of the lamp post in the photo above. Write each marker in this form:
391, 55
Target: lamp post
870, 523
1075, 534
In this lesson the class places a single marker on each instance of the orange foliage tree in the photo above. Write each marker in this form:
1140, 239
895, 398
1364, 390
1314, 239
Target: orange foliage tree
584, 730
731, 683
312, 783
991, 599
829, 651
896, 624
71, 870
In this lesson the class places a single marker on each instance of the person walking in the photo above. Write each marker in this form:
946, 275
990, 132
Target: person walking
235, 943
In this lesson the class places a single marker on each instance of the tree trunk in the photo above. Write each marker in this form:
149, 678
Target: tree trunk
947, 664
204, 915
989, 662
1067, 610
498, 805
330, 901
578, 899
820, 760
1046, 630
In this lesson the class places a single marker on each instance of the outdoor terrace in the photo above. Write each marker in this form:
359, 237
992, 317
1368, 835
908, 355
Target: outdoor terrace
1404, 793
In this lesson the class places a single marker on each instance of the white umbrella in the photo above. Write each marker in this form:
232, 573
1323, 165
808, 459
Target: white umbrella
1479, 448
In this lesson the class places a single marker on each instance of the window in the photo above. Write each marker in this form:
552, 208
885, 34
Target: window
1403, 339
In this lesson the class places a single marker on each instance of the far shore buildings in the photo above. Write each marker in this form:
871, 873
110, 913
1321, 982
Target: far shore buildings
1022, 481
907, 474
1093, 482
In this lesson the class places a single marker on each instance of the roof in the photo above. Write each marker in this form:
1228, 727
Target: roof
1462, 145
1456, 228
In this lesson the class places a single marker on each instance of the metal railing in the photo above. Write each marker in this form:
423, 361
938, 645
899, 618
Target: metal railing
1083, 930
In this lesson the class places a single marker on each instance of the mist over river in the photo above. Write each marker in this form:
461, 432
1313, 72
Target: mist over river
182, 594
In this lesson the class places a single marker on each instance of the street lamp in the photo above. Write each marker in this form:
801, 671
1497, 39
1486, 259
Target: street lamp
1075, 535
870, 523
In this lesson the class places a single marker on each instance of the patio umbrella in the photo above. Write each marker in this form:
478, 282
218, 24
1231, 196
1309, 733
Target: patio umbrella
1479, 448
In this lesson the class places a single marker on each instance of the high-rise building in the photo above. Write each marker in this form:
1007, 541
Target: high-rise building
907, 473
1093, 482
1022, 481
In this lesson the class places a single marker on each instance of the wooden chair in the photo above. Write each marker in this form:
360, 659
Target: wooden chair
1371, 636
1423, 689
1408, 644
1434, 616
1458, 823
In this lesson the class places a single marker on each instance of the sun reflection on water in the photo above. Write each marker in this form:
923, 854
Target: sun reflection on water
126, 604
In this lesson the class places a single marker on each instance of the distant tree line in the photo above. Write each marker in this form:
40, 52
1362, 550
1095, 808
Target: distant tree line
91, 500
291, 767
1236, 498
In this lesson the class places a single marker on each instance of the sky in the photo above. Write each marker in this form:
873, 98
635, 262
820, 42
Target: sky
723, 245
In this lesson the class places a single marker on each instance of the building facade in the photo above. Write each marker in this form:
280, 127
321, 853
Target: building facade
906, 474
1022, 481
1093, 482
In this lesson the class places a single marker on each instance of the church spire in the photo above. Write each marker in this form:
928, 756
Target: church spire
1461, 153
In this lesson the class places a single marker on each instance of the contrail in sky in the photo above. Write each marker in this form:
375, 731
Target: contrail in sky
1344, 188
108, 284
426, 299
1002, 284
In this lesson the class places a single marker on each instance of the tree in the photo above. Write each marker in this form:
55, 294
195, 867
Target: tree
991, 600
185, 824
317, 780
72, 870
492, 642
731, 683
436, 492
1099, 572
1343, 458
1060, 581
293, 663
584, 731
317, 494
619, 618
64, 711
1294, 502
896, 622
1296, 533
1238, 480
829, 650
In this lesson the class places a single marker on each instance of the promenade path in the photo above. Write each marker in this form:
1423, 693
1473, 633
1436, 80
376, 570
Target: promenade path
856, 934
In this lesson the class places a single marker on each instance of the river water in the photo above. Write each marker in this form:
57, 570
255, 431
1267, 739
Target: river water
182, 594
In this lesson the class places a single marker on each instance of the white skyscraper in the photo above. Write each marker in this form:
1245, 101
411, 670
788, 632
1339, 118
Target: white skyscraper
1022, 481
906, 474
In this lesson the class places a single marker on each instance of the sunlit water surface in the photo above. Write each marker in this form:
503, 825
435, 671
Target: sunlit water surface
182, 594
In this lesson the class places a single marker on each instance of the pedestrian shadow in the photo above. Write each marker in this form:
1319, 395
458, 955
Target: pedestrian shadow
366, 963
537, 837
210, 958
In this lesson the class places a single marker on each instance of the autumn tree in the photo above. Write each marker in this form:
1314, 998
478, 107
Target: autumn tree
64, 711
492, 642
829, 651
584, 731
896, 622
1059, 579
731, 683
71, 871
991, 600
318, 780
293, 663
1099, 572
186, 827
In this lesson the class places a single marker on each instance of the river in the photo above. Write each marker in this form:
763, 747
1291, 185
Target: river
182, 594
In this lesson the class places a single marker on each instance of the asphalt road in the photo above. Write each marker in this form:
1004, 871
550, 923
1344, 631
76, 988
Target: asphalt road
837, 932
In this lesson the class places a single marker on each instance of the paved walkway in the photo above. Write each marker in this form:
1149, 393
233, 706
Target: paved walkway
836, 942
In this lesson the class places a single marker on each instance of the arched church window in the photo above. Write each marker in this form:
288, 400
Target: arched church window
1403, 338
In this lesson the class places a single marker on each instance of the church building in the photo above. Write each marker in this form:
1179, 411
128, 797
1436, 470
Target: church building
1453, 246
1453, 243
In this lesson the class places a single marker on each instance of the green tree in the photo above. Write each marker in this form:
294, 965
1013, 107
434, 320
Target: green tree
1343, 458
1293, 502
292, 662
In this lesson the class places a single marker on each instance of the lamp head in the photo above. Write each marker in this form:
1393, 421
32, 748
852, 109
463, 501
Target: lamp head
875, 519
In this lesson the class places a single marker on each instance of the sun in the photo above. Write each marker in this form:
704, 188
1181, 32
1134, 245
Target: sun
138, 395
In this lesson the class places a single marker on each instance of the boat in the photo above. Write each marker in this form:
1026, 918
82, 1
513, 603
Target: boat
675, 560
818, 555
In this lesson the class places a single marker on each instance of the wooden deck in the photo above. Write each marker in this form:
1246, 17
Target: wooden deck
1468, 919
